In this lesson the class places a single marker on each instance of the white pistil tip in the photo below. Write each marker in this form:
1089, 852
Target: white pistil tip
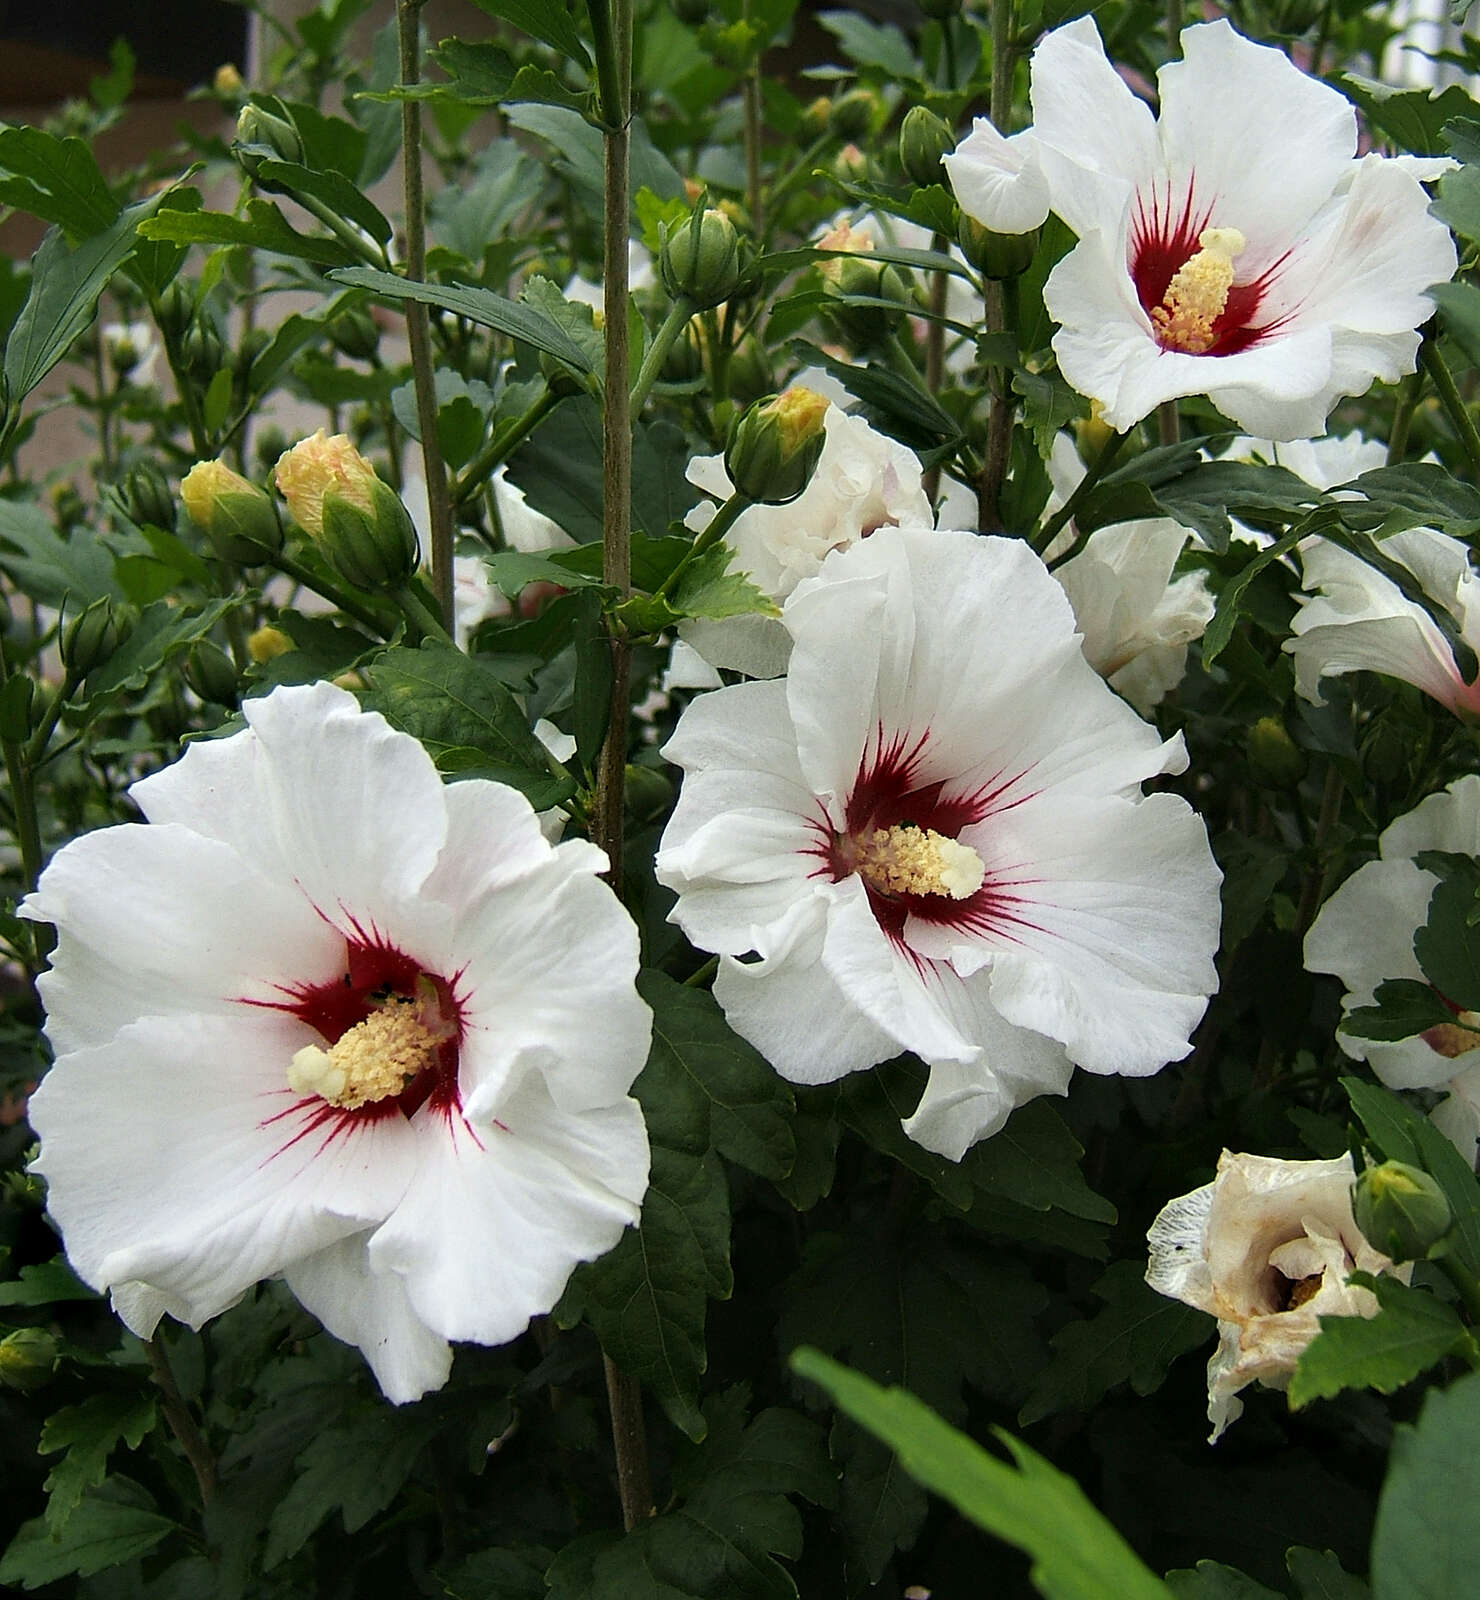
1222, 241
909, 860
313, 1071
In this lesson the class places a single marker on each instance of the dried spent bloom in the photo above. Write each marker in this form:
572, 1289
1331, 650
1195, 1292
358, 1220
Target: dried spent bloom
1364, 935
1353, 618
1233, 246
314, 467
941, 846
326, 1017
1266, 1248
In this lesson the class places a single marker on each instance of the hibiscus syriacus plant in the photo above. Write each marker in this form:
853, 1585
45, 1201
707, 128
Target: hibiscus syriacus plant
696, 698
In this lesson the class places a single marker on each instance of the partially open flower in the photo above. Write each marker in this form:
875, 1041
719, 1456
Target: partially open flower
941, 846
1234, 247
1364, 935
1266, 1248
317, 466
327, 1017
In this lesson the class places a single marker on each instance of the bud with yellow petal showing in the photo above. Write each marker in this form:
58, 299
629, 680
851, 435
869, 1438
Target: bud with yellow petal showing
774, 445
28, 1357
359, 522
854, 114
239, 518
228, 81
266, 642
1401, 1210
314, 466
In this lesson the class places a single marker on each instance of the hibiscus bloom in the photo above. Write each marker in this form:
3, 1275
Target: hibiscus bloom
931, 835
1364, 935
1354, 618
863, 480
1236, 247
327, 1017
1266, 1248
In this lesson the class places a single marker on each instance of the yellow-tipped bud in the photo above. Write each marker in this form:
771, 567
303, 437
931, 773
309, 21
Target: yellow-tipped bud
239, 518
266, 642
314, 466
774, 445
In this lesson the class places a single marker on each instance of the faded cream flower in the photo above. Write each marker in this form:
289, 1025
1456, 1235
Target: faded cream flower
1267, 1248
314, 467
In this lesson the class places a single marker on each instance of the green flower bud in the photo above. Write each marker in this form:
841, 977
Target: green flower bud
28, 1357
89, 639
853, 115
1275, 760
995, 255
685, 361
262, 134
354, 334
774, 445
201, 352
923, 139
701, 258
375, 549
211, 673
1400, 1210
176, 309
240, 519
147, 497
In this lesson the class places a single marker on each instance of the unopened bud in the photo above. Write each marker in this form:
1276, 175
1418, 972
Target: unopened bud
176, 309
210, 673
90, 639
70, 507
1400, 1210
372, 549
816, 116
1092, 433
260, 134
129, 346
853, 115
859, 272
239, 518
923, 139
774, 445
354, 334
850, 164
266, 642
228, 81
1275, 760
28, 1357
201, 352
700, 258
995, 255
147, 497
314, 466
685, 360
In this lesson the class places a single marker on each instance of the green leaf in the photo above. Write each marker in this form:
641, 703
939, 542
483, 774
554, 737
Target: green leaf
899, 407
1219, 631
1320, 1576
575, 147
1430, 492
646, 1299
483, 306
872, 44
483, 73
575, 319
263, 228
162, 632
1425, 1545
49, 567
88, 1433
918, 1311
65, 285
1034, 1161
1402, 1134
1448, 945
1211, 1580
707, 588
514, 570
1412, 119
1459, 305
1459, 201
106, 1530
705, 1089
466, 718
334, 190
1412, 1332
43, 1283
1075, 1552
356, 1467
1404, 1007
58, 180
1133, 1340
552, 24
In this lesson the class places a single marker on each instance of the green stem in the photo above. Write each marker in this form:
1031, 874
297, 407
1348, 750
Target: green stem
697, 980
342, 598
27, 826
34, 749
751, 102
1459, 412
935, 338
803, 169
673, 325
181, 1423
1098, 467
1469, 1289
483, 465
1408, 395
999, 418
724, 519
1174, 25
1322, 36
420, 614
418, 323
1168, 422
346, 232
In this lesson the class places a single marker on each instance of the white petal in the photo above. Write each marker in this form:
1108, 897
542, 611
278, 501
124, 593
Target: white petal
998, 181
177, 1155
501, 1214
370, 1310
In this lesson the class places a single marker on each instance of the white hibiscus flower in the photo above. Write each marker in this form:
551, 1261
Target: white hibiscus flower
327, 1017
932, 836
863, 480
1364, 935
1236, 247
1266, 1248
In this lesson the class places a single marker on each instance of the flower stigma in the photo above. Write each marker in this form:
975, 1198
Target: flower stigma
905, 859
1198, 293
376, 1059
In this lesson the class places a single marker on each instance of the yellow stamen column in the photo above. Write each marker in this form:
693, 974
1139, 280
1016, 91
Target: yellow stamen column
1198, 293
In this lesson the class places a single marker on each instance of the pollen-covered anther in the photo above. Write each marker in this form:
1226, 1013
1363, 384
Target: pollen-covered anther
1198, 293
374, 1060
910, 860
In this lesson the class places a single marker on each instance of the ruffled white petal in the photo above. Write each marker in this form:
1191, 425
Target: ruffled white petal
998, 180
